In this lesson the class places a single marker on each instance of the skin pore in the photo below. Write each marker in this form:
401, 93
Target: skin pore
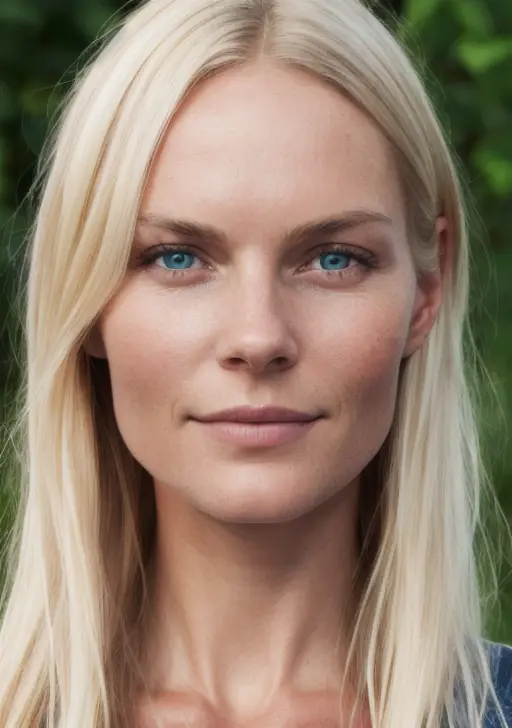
256, 548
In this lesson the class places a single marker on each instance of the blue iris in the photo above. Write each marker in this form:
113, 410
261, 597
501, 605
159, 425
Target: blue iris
179, 257
336, 256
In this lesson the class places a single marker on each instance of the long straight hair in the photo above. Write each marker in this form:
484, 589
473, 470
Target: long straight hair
80, 554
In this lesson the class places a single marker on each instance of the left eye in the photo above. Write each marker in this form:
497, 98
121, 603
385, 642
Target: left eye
180, 258
335, 257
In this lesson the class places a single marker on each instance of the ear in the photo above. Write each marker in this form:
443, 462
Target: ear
94, 345
429, 295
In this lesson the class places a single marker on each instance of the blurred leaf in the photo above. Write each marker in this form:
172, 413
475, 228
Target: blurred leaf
419, 11
480, 56
35, 100
496, 169
474, 16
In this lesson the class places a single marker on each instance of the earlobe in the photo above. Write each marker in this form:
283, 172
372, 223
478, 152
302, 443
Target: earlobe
93, 344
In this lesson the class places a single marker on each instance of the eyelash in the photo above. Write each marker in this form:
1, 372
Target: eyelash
365, 258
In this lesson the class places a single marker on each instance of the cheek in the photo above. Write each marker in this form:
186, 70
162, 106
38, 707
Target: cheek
151, 345
374, 386
366, 344
363, 376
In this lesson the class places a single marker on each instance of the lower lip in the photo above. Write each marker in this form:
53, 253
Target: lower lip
258, 435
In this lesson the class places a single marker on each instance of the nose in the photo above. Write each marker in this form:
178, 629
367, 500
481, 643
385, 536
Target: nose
258, 332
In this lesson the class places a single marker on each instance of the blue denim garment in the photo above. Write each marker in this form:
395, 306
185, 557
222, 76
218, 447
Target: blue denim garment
501, 671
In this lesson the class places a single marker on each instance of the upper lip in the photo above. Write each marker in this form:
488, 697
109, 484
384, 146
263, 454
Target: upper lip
258, 414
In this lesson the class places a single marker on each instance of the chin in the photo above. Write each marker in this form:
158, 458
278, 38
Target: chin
257, 507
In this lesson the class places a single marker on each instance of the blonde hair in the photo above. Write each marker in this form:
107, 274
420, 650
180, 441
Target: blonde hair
82, 543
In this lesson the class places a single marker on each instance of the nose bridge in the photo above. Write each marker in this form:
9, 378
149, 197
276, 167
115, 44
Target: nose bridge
257, 290
257, 326
257, 303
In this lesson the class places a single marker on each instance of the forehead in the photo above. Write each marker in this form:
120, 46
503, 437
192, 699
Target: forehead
268, 140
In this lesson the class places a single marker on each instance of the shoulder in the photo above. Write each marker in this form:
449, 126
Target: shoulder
500, 662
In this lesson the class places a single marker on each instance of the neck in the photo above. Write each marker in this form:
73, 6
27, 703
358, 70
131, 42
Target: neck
245, 613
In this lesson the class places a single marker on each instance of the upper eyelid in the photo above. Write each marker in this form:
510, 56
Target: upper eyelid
142, 249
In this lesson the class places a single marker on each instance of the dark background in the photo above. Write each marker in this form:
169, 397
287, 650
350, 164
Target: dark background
464, 49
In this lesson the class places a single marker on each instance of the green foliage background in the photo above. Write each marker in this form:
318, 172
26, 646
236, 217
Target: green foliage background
465, 50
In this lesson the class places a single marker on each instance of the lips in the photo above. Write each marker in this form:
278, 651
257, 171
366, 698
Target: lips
259, 415
257, 435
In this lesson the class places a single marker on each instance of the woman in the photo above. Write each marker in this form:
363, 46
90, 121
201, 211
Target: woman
249, 206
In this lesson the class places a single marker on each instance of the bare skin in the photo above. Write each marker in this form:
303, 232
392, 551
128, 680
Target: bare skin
256, 549
186, 710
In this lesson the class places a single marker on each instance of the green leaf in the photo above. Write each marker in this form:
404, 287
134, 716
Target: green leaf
418, 12
480, 56
496, 169
474, 16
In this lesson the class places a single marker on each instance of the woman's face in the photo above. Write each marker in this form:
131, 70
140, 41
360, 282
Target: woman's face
250, 312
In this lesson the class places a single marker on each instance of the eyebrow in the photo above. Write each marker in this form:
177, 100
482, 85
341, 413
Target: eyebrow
298, 235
